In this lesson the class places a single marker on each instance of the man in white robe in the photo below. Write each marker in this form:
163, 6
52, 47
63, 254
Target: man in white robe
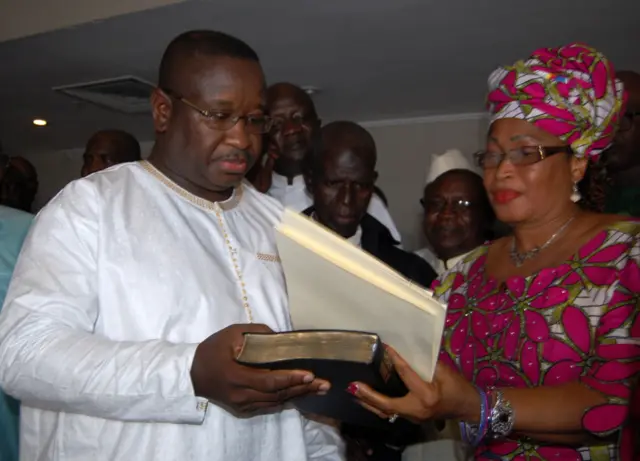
457, 213
457, 219
135, 285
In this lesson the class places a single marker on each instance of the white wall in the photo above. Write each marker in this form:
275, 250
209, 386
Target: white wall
56, 169
404, 150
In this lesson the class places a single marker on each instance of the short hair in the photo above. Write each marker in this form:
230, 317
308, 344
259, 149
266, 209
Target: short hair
128, 145
21, 178
340, 131
290, 89
200, 42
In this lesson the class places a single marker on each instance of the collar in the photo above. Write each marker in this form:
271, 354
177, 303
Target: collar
281, 182
356, 238
446, 265
226, 205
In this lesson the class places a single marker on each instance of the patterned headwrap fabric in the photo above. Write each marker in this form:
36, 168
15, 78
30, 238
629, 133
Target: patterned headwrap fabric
570, 92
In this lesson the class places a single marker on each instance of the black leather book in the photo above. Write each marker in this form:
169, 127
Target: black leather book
340, 357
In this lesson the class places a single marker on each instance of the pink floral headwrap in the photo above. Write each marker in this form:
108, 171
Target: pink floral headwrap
570, 92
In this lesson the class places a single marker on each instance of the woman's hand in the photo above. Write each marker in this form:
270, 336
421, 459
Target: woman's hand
449, 396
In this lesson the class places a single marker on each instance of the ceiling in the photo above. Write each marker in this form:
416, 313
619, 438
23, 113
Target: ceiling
17, 18
373, 59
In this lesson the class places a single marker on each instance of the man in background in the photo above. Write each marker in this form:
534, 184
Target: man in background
19, 185
457, 214
14, 225
295, 121
622, 161
340, 173
107, 148
458, 218
286, 145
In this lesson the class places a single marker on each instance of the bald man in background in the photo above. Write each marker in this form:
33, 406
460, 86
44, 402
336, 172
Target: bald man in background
19, 185
107, 148
14, 225
340, 173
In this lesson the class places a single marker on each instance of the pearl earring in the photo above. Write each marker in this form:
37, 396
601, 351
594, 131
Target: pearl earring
575, 194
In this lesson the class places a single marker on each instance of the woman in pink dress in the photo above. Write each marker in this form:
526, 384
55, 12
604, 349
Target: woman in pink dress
541, 351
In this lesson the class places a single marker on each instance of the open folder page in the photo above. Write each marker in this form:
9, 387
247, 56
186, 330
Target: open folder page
332, 284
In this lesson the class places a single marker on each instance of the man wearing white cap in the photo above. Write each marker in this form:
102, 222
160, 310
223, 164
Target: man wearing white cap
457, 213
457, 219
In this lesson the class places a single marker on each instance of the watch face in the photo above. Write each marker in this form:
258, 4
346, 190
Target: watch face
501, 417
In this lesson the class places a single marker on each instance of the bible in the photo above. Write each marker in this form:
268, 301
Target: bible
334, 285
339, 357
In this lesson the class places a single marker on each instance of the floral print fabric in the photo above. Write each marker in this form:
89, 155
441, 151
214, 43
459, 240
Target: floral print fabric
578, 321
570, 92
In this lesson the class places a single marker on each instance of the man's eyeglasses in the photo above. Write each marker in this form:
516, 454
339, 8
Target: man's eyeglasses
438, 205
223, 121
626, 122
527, 155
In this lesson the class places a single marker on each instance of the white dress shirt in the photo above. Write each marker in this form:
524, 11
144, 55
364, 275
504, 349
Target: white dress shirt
296, 197
356, 239
120, 278
439, 265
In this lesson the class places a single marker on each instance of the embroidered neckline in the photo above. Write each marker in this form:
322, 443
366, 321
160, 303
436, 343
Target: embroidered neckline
226, 205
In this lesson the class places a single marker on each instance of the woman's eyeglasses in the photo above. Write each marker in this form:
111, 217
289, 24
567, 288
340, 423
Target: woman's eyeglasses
526, 155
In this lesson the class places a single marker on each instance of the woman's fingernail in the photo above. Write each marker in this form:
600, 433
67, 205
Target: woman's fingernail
308, 378
352, 388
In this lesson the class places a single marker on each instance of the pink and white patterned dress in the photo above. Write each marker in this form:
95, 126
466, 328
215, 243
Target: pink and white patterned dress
578, 321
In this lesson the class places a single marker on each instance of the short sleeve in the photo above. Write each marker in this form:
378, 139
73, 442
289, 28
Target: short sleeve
614, 367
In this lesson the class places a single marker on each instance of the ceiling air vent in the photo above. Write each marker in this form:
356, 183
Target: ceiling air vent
128, 94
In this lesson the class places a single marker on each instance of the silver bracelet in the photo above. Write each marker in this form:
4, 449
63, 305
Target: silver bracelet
502, 417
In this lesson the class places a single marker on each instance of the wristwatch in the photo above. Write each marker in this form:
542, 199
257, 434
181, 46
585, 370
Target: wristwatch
502, 417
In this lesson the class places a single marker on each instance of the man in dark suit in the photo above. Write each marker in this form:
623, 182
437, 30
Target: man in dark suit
340, 174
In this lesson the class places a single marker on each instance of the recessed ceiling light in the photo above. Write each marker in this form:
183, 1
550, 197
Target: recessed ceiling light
40, 122
310, 90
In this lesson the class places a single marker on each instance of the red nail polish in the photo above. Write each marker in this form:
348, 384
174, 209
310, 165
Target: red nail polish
352, 388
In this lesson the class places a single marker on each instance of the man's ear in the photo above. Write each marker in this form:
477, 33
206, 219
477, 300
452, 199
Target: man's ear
375, 177
161, 109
